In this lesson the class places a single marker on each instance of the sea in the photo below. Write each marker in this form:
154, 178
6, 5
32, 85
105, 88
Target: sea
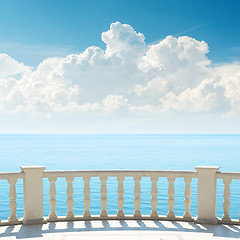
120, 151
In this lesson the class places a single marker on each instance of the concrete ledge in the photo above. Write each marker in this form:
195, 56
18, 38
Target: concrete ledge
121, 229
207, 221
114, 217
35, 221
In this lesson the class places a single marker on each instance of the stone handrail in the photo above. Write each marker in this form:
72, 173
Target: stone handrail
16, 175
33, 194
117, 173
232, 175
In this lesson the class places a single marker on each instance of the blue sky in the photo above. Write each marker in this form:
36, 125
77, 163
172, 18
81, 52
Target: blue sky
119, 66
34, 30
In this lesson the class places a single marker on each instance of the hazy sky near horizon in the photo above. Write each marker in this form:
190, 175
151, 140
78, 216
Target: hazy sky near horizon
119, 66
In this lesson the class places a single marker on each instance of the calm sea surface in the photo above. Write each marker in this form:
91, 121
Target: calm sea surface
142, 152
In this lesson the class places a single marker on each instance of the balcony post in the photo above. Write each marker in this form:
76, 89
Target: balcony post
33, 194
207, 188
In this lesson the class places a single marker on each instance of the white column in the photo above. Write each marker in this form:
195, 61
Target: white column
226, 203
33, 194
154, 201
70, 213
103, 200
137, 199
86, 192
12, 196
120, 199
207, 186
171, 193
187, 200
52, 200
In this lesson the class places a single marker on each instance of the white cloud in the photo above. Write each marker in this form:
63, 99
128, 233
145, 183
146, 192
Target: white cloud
123, 41
10, 67
230, 81
173, 65
113, 102
172, 75
207, 96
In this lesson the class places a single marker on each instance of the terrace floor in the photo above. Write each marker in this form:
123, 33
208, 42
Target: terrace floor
125, 229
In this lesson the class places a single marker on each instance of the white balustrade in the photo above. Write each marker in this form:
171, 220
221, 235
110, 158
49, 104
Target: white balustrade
12, 196
120, 199
70, 213
154, 201
86, 192
187, 200
52, 201
33, 194
103, 200
226, 196
171, 193
137, 199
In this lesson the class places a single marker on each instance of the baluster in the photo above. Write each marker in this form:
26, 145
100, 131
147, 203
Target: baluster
12, 202
52, 201
137, 199
187, 200
70, 213
120, 200
226, 202
103, 192
86, 192
171, 193
154, 201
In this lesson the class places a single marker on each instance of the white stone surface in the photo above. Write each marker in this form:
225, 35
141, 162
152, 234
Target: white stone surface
106, 230
207, 188
33, 193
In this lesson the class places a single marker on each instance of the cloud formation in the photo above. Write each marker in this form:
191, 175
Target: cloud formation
174, 75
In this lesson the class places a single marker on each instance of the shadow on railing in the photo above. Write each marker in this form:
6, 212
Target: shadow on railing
75, 230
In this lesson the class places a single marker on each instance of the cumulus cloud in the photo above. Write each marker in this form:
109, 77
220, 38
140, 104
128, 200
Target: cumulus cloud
123, 41
230, 81
174, 75
9, 67
207, 96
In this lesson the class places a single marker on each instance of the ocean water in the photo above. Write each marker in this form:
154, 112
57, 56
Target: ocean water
99, 152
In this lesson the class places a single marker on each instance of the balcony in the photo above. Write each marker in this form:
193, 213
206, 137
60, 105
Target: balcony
153, 226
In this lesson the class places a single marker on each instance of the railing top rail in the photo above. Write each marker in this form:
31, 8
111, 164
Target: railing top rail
7, 175
232, 175
116, 173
